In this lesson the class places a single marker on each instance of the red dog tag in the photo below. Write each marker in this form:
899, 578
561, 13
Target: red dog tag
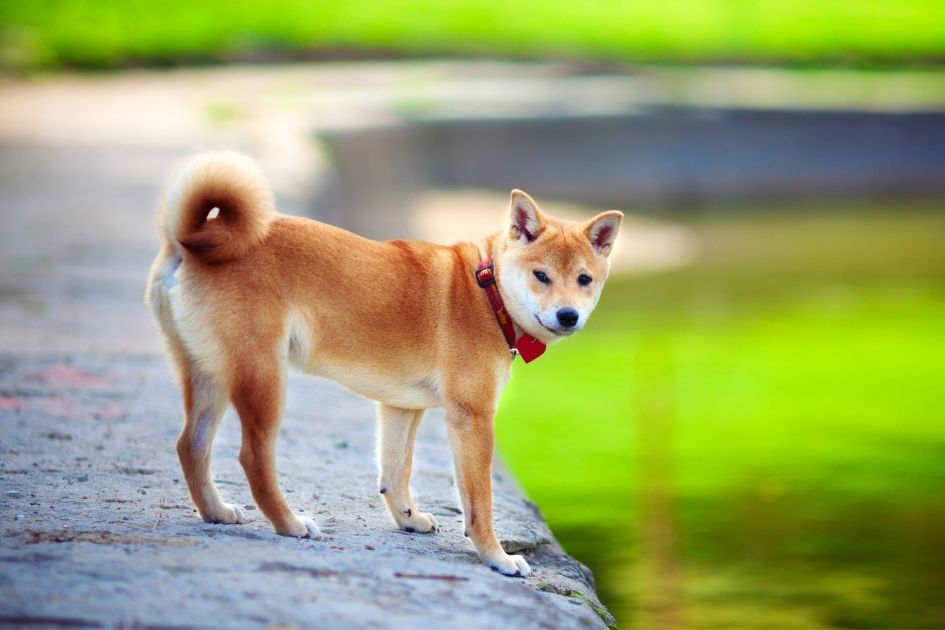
529, 347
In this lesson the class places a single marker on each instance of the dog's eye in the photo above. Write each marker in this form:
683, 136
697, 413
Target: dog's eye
584, 279
542, 277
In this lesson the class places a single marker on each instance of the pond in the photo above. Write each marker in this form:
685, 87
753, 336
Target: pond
756, 439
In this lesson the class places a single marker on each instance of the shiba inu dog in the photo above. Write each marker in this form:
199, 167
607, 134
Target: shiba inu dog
241, 291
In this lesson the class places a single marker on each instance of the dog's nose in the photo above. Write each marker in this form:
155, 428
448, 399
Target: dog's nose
567, 317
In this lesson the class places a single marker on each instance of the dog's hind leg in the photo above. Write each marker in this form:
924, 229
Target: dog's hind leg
396, 433
204, 404
257, 393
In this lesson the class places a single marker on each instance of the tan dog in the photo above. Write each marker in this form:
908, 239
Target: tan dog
243, 293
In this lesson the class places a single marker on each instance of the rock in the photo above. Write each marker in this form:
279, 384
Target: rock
14, 494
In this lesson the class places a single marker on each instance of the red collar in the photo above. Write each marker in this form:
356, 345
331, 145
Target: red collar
526, 345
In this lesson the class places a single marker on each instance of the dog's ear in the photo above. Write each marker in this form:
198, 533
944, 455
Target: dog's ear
527, 220
602, 230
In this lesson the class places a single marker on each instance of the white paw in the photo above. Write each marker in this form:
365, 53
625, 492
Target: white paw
300, 527
229, 514
312, 529
239, 515
422, 522
513, 566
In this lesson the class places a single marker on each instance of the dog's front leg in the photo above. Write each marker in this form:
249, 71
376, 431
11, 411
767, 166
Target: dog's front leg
472, 441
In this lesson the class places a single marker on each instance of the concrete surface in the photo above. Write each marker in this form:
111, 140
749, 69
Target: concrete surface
96, 528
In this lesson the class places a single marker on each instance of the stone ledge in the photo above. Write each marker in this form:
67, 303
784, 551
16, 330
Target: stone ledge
97, 528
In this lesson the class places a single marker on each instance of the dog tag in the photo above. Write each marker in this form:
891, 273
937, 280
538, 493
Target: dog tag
529, 347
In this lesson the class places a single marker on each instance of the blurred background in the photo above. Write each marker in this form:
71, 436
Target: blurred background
751, 430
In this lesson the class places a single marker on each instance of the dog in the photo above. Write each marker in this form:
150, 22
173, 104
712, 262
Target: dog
241, 291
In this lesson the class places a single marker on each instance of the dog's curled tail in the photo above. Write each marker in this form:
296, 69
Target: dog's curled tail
218, 207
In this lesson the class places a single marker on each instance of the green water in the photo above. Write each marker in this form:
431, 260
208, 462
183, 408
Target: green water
757, 439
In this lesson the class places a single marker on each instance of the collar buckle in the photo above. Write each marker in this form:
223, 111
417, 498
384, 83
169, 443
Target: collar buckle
485, 275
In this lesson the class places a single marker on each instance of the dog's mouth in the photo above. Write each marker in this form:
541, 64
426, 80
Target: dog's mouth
560, 332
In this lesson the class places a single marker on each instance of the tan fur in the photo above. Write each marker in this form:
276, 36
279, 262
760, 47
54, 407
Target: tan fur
240, 296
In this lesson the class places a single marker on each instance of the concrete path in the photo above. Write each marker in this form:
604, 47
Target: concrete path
96, 528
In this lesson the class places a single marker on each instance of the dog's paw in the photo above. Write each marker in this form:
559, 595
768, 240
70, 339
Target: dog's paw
228, 514
512, 566
422, 522
239, 516
311, 529
301, 527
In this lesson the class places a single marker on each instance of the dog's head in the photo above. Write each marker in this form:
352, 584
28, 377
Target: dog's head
551, 272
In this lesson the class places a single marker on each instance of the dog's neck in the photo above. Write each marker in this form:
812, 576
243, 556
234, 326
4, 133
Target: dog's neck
491, 248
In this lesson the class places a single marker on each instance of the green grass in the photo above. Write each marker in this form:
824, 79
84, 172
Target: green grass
101, 33
757, 440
